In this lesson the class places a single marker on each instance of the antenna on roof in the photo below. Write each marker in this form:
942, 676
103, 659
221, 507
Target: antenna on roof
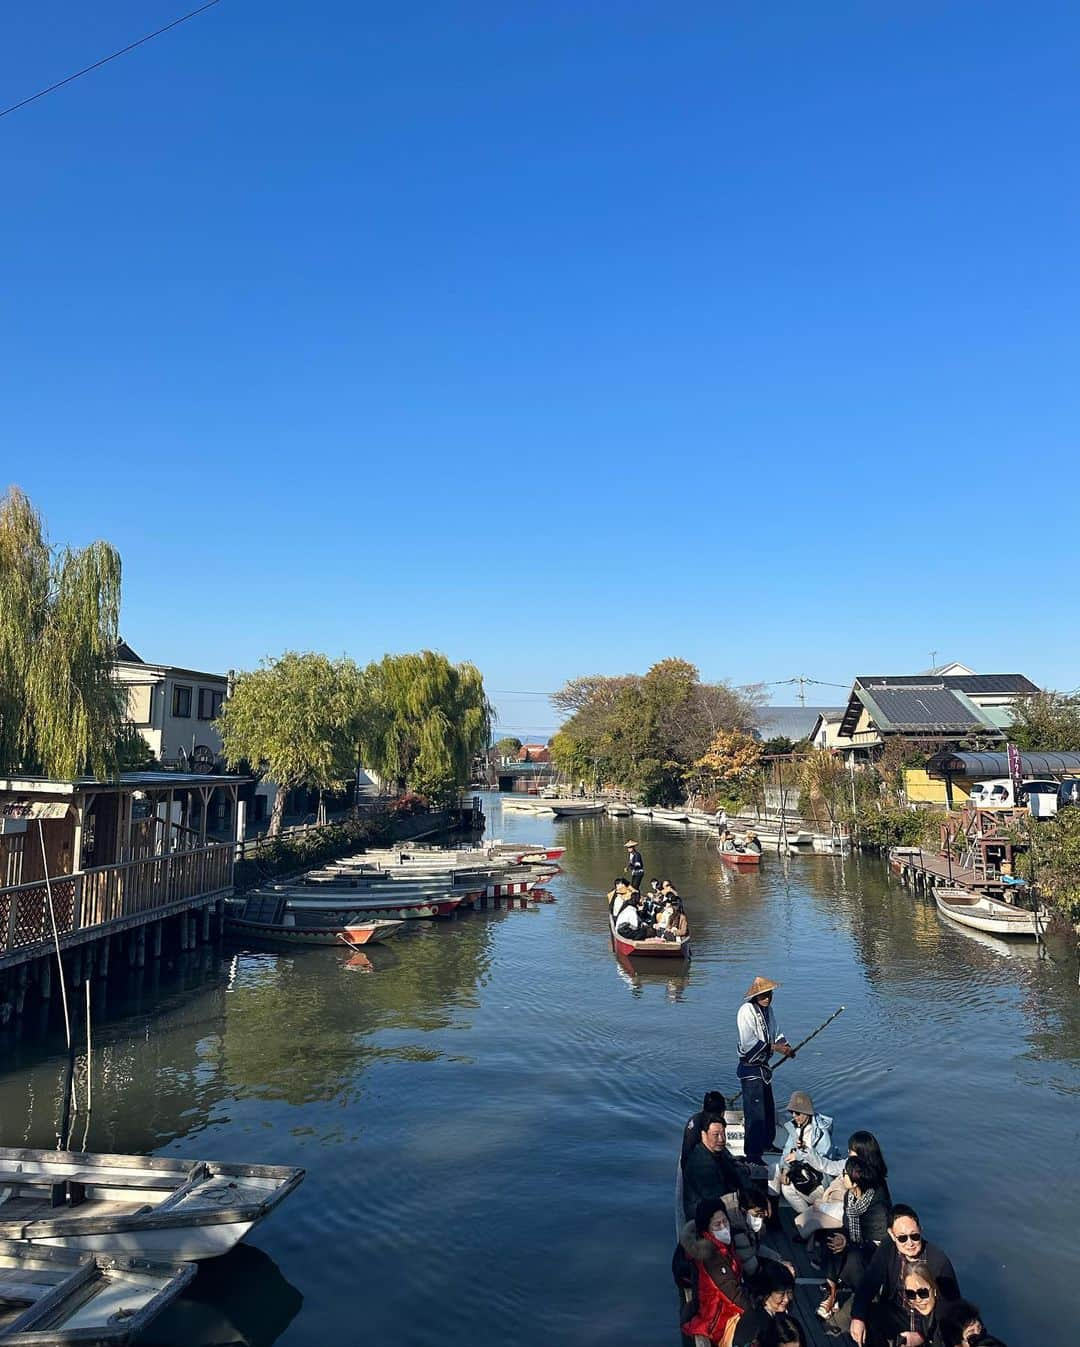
933, 661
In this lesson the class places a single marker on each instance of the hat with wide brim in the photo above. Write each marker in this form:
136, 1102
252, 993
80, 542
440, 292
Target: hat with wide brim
759, 987
800, 1102
630, 844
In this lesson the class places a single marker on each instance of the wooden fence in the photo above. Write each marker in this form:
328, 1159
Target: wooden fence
110, 893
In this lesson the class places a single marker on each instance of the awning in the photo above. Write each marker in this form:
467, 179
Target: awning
976, 765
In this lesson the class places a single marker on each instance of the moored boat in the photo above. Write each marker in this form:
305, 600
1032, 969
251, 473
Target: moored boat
51, 1297
158, 1207
985, 914
280, 927
655, 948
576, 808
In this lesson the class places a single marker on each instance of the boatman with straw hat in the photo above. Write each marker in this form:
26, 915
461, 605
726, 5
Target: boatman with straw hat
759, 1038
635, 866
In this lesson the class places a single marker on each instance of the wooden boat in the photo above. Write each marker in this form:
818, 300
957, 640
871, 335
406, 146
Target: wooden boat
985, 914
740, 860
576, 808
344, 907
158, 1207
671, 815
265, 920
616, 810
649, 949
50, 1297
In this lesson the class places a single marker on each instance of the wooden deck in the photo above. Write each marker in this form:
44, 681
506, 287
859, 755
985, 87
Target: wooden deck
927, 869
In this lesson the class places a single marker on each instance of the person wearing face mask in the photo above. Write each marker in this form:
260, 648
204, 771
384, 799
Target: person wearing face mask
751, 1242
718, 1298
883, 1282
767, 1323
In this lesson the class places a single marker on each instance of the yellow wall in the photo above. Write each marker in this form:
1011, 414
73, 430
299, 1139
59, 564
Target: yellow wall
921, 788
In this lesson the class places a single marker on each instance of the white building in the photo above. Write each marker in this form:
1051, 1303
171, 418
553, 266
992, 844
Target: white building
173, 709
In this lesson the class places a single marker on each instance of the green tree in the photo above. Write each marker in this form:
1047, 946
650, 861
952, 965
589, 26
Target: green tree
424, 721
298, 720
1052, 859
508, 746
60, 710
1047, 722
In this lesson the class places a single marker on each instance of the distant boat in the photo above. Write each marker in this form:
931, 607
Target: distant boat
656, 948
671, 815
576, 808
50, 1297
136, 1206
617, 810
985, 914
641, 810
741, 860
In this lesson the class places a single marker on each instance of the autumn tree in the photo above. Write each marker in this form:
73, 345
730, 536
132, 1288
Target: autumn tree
61, 712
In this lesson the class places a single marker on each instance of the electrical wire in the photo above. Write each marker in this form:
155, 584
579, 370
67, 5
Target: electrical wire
52, 88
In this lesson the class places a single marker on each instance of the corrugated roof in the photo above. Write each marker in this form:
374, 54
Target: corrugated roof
983, 683
976, 765
959, 685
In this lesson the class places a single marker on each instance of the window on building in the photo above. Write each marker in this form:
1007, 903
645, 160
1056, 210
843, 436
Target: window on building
210, 700
181, 702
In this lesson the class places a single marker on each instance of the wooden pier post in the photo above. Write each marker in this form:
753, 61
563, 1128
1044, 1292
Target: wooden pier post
103, 956
156, 946
140, 947
45, 979
206, 925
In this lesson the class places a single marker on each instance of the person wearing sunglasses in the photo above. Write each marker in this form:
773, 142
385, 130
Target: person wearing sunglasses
880, 1308
921, 1294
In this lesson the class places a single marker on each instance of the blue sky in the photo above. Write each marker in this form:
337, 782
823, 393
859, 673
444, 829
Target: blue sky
559, 337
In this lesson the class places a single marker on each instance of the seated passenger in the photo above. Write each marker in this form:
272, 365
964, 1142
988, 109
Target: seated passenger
751, 1242
961, 1325
618, 895
751, 843
761, 1325
827, 1211
706, 1259
714, 1103
880, 1301
865, 1223
806, 1150
628, 921
924, 1305
710, 1170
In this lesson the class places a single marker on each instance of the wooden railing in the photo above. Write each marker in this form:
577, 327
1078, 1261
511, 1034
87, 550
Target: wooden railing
111, 892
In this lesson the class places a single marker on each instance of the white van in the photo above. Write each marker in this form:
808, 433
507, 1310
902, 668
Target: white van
1041, 797
992, 794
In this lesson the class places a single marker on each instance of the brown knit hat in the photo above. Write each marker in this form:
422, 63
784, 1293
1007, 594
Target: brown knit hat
759, 987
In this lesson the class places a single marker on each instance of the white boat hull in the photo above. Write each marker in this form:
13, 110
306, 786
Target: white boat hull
190, 1244
986, 915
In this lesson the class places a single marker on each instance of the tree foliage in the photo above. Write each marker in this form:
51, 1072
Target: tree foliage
1047, 722
297, 719
60, 710
646, 733
424, 720
507, 747
1051, 860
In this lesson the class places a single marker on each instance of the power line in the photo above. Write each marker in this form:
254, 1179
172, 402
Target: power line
52, 88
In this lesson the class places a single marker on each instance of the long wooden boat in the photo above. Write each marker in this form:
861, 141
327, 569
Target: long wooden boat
571, 809
671, 815
159, 1207
740, 860
655, 948
287, 931
53, 1297
344, 907
985, 914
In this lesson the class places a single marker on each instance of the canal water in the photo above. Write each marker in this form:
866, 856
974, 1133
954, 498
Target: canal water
489, 1109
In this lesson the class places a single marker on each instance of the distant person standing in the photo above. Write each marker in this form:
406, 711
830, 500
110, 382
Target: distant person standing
759, 1038
635, 866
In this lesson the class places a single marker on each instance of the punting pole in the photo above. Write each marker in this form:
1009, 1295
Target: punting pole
824, 1025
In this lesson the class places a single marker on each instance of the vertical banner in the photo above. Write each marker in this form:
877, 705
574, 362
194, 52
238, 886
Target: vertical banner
1016, 771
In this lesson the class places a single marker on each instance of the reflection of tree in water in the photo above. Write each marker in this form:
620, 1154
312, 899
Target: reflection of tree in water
298, 1026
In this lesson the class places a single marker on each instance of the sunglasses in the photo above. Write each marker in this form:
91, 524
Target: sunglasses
919, 1293
908, 1239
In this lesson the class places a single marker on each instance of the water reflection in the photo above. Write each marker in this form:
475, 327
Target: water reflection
241, 1300
640, 974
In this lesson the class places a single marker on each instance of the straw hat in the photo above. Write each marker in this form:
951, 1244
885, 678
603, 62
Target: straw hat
759, 987
800, 1102
630, 844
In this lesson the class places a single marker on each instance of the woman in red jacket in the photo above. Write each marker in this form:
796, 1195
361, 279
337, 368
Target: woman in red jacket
720, 1297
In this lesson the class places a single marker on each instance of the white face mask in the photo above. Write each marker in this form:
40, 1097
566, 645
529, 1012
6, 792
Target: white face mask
722, 1235
755, 1222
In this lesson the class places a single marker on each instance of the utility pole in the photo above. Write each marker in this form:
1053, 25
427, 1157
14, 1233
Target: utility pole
933, 660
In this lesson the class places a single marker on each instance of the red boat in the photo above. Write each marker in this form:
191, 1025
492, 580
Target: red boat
655, 948
741, 860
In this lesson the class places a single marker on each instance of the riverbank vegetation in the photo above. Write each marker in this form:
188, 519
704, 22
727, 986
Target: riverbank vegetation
647, 733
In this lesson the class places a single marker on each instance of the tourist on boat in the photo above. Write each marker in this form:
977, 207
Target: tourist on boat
668, 889
628, 921
883, 1281
620, 892
710, 1171
924, 1306
635, 866
807, 1146
751, 843
751, 1241
961, 1325
827, 1211
759, 1038
706, 1259
671, 920
846, 1253
714, 1103
762, 1324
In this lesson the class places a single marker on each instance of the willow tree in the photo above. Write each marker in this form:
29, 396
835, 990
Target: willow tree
61, 712
296, 720
425, 720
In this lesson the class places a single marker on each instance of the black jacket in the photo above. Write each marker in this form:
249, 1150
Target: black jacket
882, 1277
708, 1174
756, 1328
634, 861
874, 1222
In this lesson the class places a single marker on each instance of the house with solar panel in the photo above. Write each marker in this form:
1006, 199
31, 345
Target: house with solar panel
939, 708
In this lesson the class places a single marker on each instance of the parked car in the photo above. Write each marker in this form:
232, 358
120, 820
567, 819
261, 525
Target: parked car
992, 794
1041, 797
1069, 792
